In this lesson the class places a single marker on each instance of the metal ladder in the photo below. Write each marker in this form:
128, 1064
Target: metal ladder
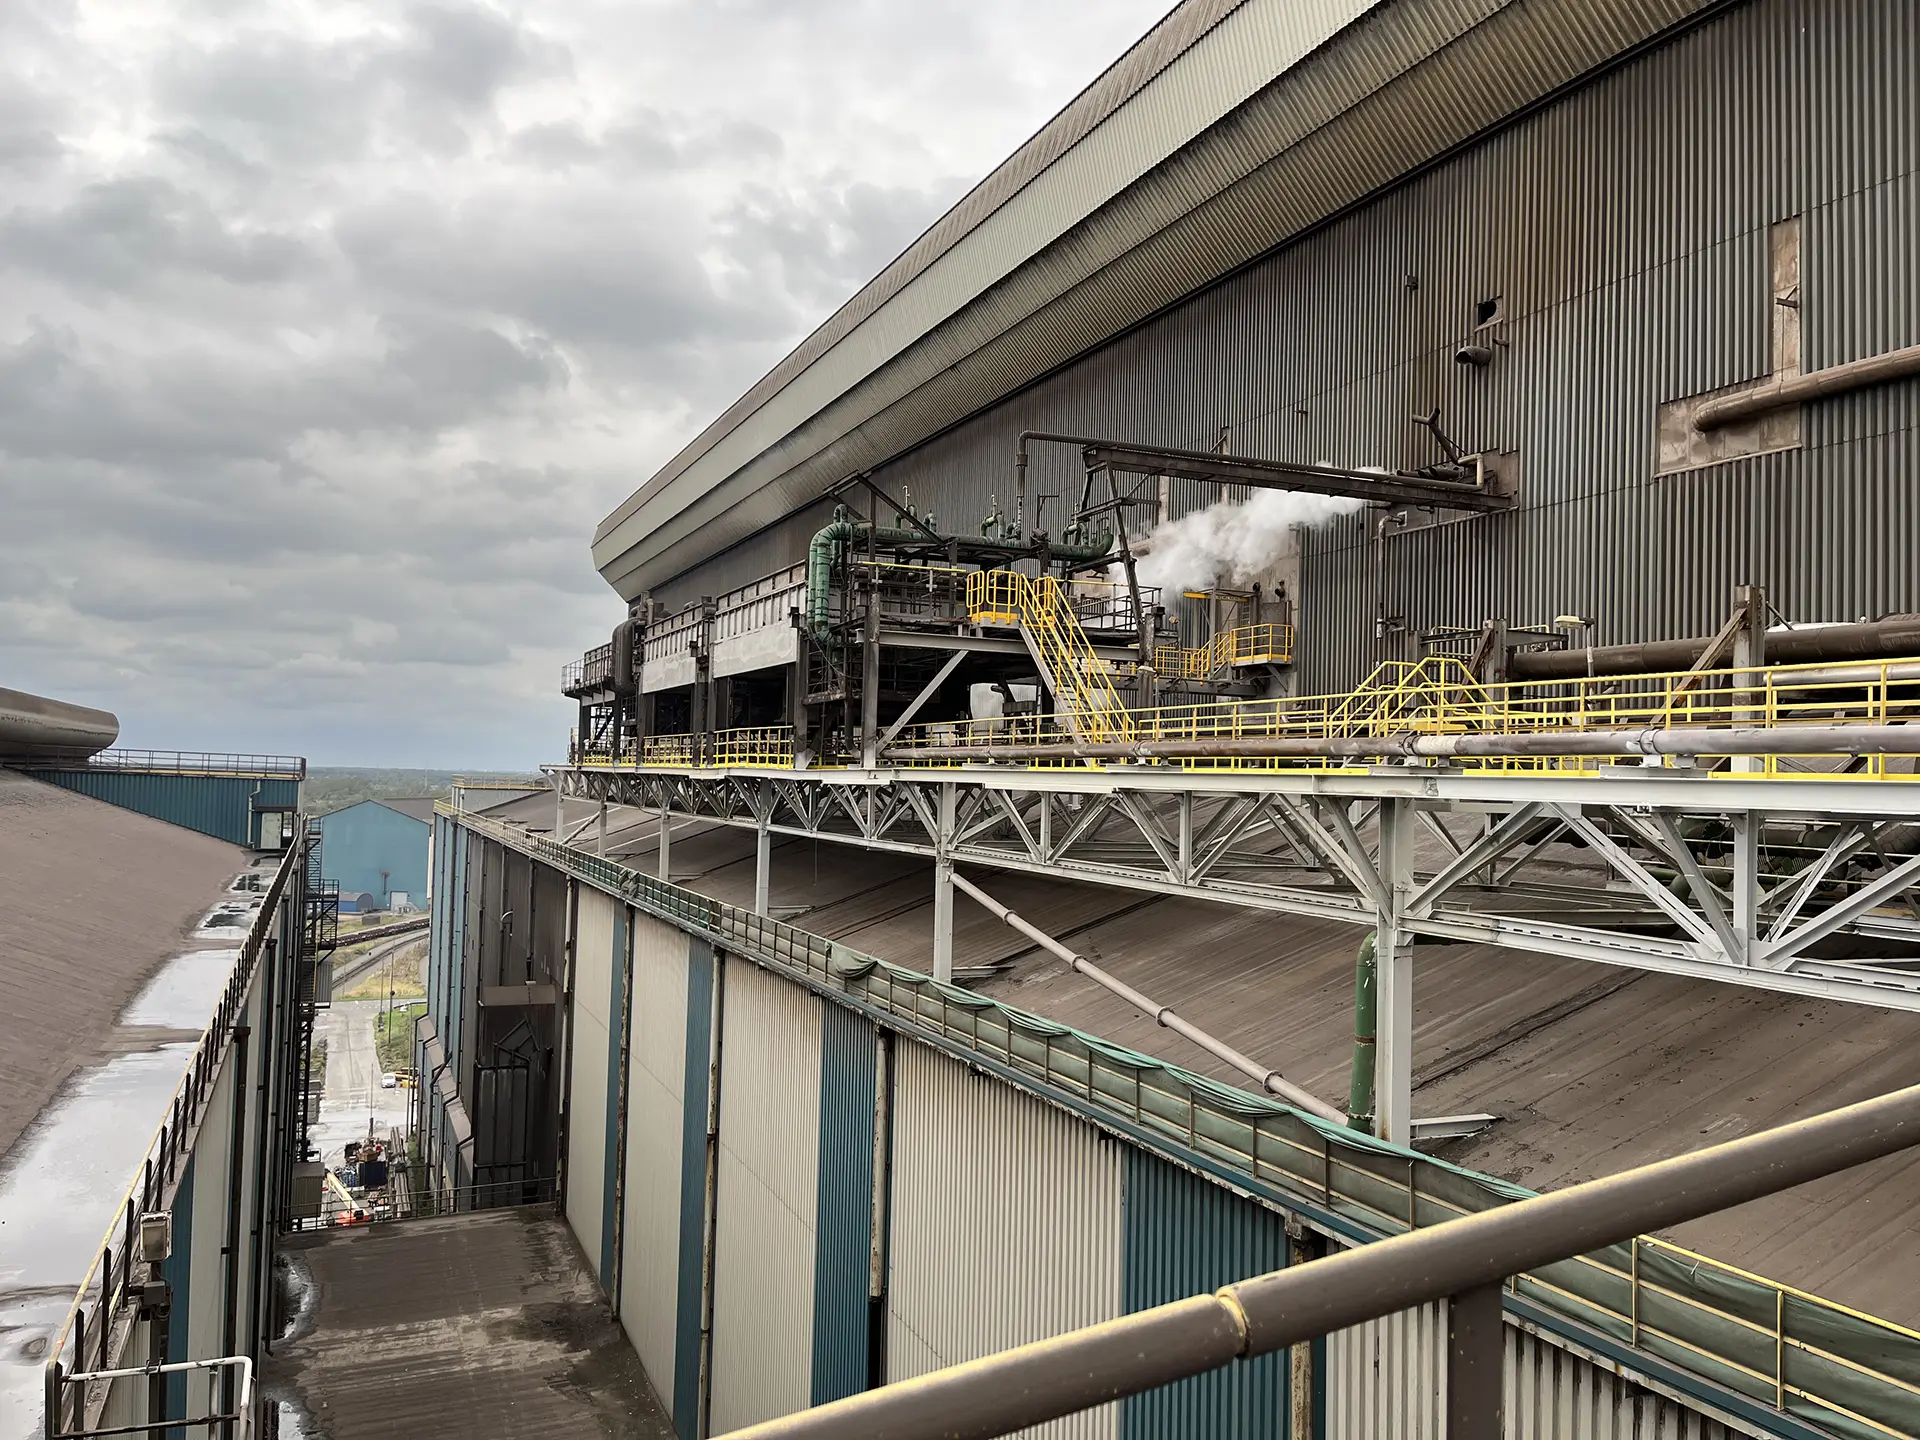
1080, 680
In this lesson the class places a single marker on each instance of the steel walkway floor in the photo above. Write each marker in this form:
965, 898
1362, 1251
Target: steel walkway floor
484, 1323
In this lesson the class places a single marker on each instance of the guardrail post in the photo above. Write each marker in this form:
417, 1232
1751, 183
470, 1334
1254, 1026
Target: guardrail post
1476, 1354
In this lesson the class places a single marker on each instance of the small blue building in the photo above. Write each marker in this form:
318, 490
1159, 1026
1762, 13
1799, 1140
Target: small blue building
379, 846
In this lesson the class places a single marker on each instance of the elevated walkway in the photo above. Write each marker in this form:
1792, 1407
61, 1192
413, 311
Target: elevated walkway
482, 1322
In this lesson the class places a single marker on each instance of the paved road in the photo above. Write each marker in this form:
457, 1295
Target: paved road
353, 1094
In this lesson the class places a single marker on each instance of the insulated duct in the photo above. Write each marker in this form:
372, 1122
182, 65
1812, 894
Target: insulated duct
35, 729
1892, 638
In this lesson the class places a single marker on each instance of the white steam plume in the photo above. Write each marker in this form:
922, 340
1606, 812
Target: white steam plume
1232, 543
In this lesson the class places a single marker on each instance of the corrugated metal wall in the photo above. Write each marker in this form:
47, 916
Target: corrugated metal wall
1005, 1224
699, 1074
224, 806
842, 1309
593, 1078
1183, 1236
766, 1199
656, 1077
1387, 1379
1624, 231
1552, 1394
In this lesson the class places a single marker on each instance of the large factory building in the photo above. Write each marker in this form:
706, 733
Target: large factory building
1269, 791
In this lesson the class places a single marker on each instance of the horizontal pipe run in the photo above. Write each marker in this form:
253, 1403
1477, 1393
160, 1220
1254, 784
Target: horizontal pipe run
1687, 740
1002, 1393
1271, 1080
1895, 637
1820, 385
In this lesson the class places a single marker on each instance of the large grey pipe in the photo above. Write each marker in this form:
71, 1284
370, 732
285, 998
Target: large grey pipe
1270, 1080
34, 728
1688, 740
1895, 636
1002, 1393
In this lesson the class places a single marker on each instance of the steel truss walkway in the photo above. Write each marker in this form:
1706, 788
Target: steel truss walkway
1773, 870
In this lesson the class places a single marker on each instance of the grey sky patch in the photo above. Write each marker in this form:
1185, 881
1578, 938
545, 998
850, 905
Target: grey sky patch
328, 332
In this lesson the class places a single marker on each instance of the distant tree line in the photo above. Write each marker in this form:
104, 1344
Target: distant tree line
330, 788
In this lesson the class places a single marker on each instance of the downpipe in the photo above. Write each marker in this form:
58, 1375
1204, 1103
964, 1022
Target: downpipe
1366, 1009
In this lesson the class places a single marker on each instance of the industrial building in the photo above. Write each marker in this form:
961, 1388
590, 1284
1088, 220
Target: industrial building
379, 848
1198, 794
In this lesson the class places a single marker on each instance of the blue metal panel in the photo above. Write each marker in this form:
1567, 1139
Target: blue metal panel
1183, 1236
177, 1271
693, 1189
372, 847
843, 1222
223, 806
617, 1020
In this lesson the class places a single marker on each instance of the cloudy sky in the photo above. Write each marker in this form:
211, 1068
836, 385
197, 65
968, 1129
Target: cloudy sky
329, 331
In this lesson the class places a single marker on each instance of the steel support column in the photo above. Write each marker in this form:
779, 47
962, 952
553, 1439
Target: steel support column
1476, 1350
762, 865
943, 887
600, 830
666, 842
1393, 1071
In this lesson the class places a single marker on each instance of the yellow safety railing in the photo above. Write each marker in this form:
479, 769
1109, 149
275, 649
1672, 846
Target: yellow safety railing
1040, 606
1243, 645
1437, 696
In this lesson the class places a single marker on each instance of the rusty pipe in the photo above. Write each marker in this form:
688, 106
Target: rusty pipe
1820, 385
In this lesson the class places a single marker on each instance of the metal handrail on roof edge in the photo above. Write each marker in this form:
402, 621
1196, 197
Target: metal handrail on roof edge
106, 1296
1765, 1351
202, 762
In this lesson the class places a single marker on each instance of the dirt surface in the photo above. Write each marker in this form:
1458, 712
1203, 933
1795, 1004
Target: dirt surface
93, 899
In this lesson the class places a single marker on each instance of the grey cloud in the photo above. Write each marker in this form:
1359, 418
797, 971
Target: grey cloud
327, 333
134, 233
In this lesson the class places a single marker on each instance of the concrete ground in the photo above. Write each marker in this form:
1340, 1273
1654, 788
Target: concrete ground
483, 1323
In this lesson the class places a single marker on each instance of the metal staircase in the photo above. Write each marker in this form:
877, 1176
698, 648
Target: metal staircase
1080, 680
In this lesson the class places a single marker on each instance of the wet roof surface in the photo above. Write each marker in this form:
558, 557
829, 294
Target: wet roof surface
1591, 1068
483, 1323
92, 899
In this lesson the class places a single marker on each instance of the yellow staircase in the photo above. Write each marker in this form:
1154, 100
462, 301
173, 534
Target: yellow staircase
1081, 681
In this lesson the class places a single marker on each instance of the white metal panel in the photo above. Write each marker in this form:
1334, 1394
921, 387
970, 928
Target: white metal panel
589, 1089
206, 1302
756, 649
656, 1073
766, 1198
1387, 1379
1005, 1224
1556, 1394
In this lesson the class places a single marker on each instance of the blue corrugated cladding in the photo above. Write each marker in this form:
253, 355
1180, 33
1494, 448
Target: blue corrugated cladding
1183, 1236
617, 1022
177, 1270
226, 807
843, 1222
374, 848
693, 1189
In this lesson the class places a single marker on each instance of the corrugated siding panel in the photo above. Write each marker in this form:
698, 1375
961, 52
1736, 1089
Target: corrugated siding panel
1186, 1236
592, 1077
656, 1079
616, 1095
218, 805
1624, 228
1552, 1394
849, 1074
690, 1282
1387, 1379
1005, 1225
766, 1199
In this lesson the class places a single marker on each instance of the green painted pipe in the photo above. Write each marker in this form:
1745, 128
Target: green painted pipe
1366, 1012
824, 549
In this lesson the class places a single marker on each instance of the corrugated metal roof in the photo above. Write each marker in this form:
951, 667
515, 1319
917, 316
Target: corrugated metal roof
414, 808
1004, 290
1591, 1068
